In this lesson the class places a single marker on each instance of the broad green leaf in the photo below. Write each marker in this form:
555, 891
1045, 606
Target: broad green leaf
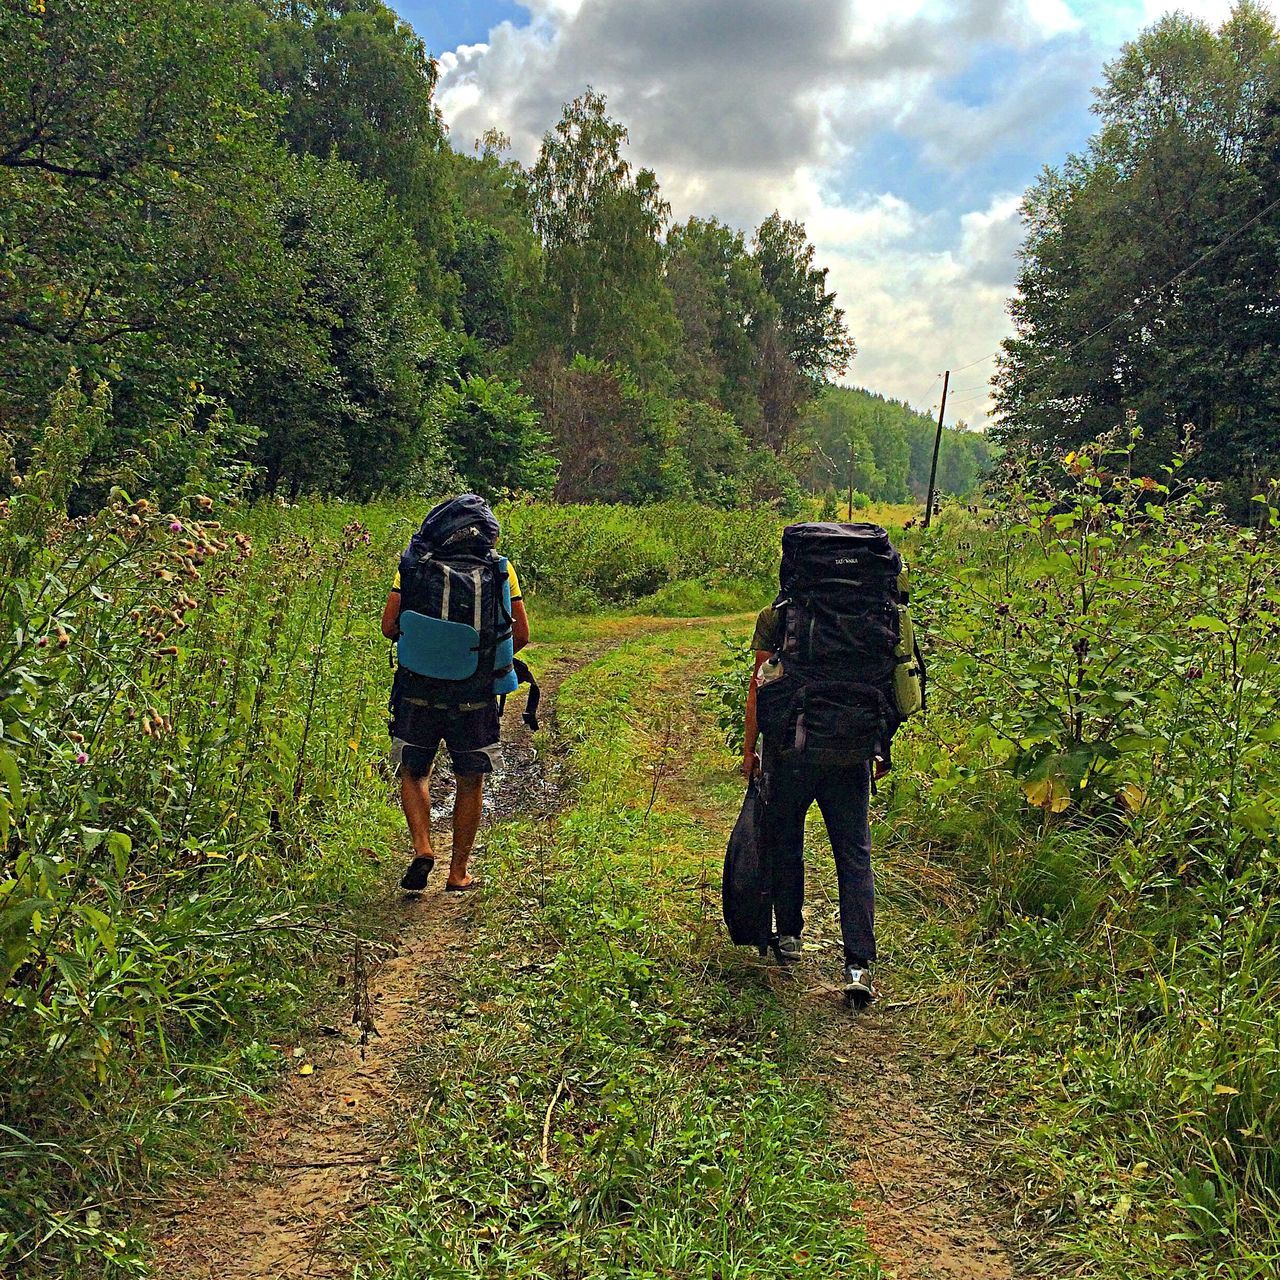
12, 778
1205, 622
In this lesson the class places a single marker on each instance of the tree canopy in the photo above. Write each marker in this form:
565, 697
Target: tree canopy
248, 215
1152, 263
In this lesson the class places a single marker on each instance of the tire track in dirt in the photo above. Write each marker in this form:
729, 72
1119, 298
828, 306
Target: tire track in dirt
924, 1188
928, 1202
310, 1156
313, 1151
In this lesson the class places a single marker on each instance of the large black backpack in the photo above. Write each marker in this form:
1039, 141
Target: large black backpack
852, 672
454, 647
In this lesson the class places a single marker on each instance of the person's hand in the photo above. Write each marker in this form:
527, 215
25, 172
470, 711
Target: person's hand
750, 765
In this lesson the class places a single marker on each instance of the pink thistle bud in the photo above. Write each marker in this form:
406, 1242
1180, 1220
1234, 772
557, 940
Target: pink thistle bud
175, 526
81, 758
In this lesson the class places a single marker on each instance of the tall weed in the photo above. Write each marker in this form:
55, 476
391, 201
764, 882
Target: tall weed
190, 729
1100, 760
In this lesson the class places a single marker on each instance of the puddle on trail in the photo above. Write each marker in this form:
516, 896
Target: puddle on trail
525, 783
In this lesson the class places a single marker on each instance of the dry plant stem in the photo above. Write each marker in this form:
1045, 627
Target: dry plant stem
546, 1123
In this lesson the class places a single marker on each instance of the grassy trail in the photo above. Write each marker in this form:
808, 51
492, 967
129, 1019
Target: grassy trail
577, 1076
309, 1152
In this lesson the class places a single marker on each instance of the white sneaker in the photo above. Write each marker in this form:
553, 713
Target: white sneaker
859, 990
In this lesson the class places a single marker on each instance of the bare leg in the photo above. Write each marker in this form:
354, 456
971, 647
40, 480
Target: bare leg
415, 797
467, 805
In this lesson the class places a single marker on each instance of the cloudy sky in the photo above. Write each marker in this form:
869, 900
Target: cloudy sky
901, 132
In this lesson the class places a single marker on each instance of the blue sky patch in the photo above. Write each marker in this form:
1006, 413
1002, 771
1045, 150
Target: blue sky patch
445, 24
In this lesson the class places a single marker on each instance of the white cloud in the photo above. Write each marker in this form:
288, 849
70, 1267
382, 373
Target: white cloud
916, 313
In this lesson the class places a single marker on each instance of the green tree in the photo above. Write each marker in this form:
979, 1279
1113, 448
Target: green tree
357, 82
722, 305
600, 228
1151, 257
810, 331
340, 382
495, 438
136, 170
892, 448
715, 452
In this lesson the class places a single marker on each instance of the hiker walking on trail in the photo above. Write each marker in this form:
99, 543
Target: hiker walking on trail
458, 619
836, 673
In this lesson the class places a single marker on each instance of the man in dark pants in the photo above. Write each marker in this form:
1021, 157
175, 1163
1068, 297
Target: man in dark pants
842, 790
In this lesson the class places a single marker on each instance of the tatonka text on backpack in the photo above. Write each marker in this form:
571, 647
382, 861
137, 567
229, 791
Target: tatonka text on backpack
852, 672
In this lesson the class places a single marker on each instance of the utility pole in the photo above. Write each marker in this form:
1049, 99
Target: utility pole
937, 444
849, 478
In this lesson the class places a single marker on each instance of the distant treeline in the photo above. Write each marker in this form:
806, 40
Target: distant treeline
883, 448
246, 218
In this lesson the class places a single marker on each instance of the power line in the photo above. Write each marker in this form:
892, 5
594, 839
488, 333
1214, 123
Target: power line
979, 360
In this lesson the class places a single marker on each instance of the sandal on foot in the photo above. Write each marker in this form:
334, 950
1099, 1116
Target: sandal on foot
473, 883
414, 879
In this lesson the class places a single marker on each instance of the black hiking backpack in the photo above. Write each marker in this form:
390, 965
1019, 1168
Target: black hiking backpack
455, 642
852, 672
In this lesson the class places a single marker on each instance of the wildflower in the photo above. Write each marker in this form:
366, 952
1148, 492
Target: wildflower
81, 758
175, 526
44, 640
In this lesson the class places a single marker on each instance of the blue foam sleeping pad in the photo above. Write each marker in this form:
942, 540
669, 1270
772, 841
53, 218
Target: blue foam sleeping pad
506, 648
439, 649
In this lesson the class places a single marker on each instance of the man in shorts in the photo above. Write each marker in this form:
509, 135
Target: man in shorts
471, 733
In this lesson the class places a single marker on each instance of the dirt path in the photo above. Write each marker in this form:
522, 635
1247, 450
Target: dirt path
925, 1191
931, 1207
313, 1151
312, 1154
924, 1187
307, 1162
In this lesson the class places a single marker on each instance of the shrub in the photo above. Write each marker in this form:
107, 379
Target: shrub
621, 553
495, 439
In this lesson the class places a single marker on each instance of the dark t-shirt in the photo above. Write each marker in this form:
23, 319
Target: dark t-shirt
767, 637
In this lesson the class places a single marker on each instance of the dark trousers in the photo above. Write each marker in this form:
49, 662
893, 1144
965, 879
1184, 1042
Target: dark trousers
843, 793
